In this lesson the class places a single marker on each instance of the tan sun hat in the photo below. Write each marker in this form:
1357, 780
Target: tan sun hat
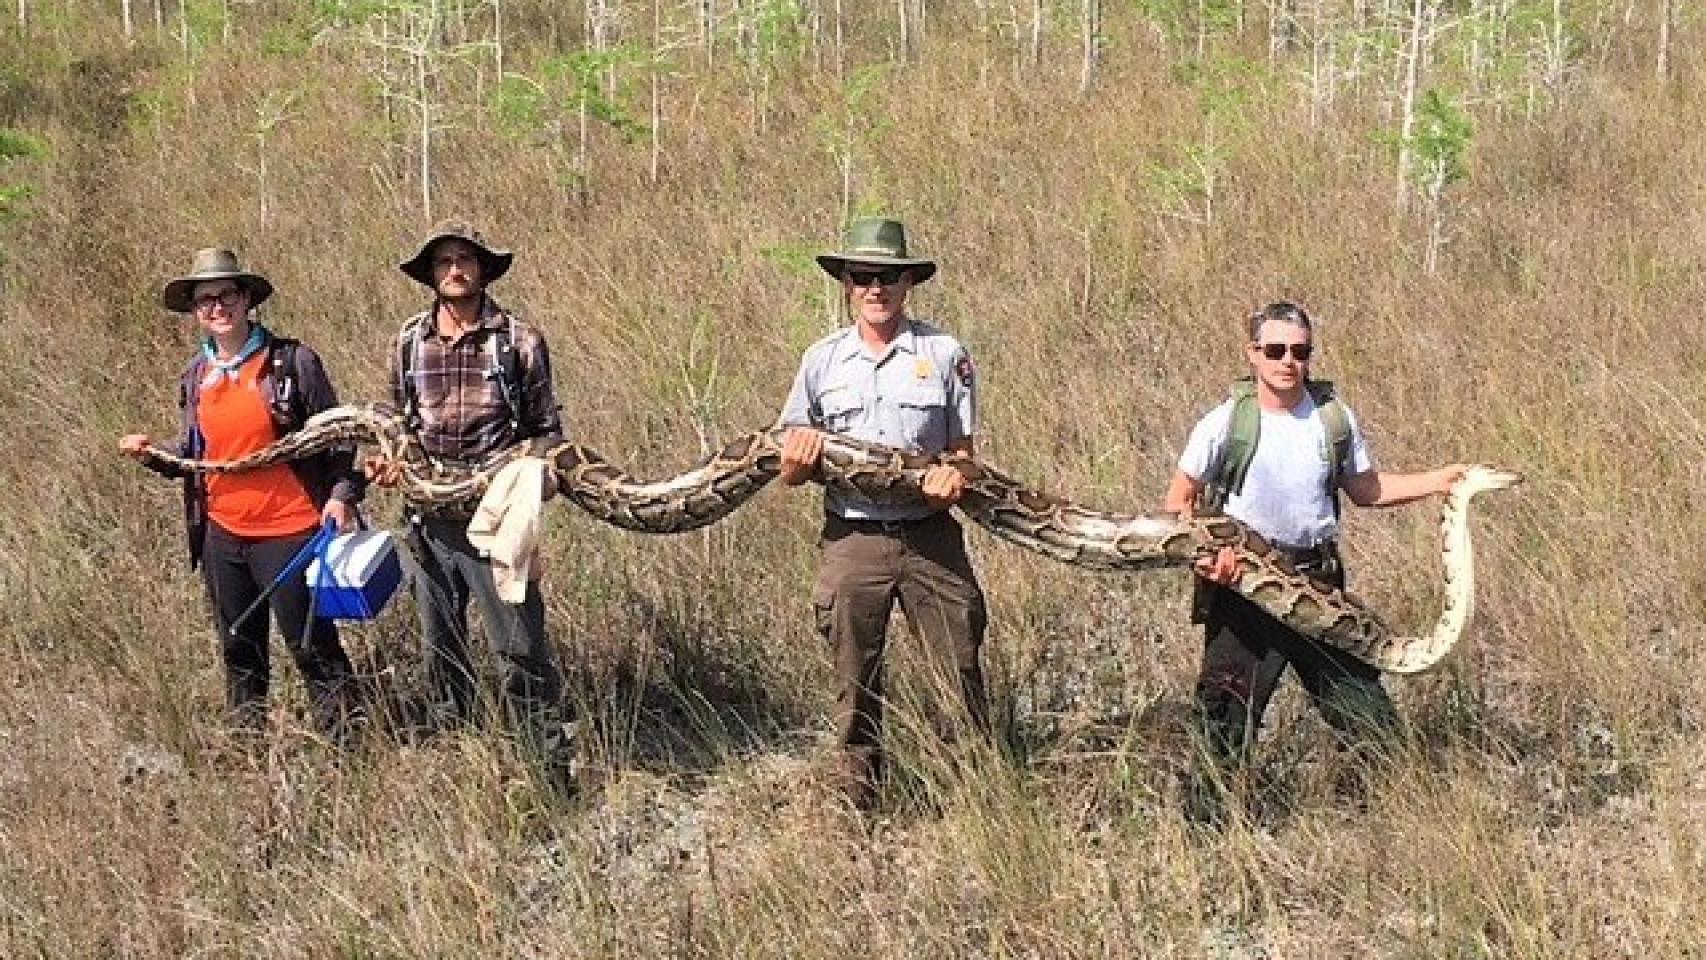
878, 241
212, 263
494, 263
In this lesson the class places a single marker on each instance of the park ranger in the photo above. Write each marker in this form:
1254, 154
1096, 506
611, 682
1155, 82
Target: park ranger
892, 379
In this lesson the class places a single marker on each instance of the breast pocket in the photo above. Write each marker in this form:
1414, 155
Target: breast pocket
924, 417
842, 409
431, 389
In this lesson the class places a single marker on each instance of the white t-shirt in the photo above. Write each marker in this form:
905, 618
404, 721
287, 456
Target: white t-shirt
1285, 491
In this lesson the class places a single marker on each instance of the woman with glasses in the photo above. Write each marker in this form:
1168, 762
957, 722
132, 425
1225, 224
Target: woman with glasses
1276, 455
244, 389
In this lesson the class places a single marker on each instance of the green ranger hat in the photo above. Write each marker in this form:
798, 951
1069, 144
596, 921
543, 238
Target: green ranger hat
880, 242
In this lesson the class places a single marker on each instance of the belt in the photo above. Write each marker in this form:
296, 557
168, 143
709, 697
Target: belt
1323, 557
885, 528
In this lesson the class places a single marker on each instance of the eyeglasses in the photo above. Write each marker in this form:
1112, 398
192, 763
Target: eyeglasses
229, 299
876, 278
1299, 351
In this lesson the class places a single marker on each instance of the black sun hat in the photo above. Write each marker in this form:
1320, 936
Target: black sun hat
494, 262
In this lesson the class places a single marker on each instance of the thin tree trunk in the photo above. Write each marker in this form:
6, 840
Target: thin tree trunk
840, 44
1661, 63
1407, 102
129, 24
425, 106
708, 29
498, 39
261, 175
1092, 16
657, 92
184, 26
905, 33
1036, 32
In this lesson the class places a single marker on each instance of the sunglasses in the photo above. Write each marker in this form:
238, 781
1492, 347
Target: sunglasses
876, 278
1299, 351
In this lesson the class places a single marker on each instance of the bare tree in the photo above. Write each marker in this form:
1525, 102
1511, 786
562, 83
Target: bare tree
1036, 32
1667, 20
657, 93
1421, 17
1092, 22
272, 110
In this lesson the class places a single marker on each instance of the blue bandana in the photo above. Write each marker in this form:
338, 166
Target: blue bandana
218, 369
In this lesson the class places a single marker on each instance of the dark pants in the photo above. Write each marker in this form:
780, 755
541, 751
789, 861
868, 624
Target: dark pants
866, 568
1245, 655
237, 570
528, 678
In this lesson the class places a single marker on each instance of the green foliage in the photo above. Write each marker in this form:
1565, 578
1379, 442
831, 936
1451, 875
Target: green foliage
796, 258
777, 30
1225, 85
856, 119
527, 106
1440, 141
205, 20
345, 13
518, 105
16, 145
1185, 188
1182, 20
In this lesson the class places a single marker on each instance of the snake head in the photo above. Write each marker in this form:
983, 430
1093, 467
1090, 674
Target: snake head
1482, 476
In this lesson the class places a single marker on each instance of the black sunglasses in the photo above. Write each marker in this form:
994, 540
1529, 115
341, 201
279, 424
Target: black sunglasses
1299, 351
873, 278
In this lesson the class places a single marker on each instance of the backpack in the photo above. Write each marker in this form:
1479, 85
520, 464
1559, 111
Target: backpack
1243, 431
505, 368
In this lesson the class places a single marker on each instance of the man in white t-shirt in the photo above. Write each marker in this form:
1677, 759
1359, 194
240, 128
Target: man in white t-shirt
1305, 452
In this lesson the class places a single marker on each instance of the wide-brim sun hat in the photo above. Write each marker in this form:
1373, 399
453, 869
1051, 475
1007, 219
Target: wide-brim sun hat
212, 263
877, 241
494, 262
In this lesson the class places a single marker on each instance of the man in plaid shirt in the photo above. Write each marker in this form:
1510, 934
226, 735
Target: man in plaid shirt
473, 380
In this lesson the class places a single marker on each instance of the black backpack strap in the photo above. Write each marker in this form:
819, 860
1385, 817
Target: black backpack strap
408, 347
289, 409
507, 367
189, 398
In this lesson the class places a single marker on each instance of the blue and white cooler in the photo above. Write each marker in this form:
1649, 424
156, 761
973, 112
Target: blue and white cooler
354, 575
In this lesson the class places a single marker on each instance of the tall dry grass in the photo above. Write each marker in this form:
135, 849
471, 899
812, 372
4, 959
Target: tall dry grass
1551, 807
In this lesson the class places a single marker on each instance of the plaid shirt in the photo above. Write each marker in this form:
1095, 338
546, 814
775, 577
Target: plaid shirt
459, 397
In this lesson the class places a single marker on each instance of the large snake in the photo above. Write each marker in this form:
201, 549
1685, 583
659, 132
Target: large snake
1046, 524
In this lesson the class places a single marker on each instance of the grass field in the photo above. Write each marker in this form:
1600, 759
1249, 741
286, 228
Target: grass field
664, 179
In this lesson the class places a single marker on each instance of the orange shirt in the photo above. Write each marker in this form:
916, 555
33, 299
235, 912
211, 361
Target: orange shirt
235, 422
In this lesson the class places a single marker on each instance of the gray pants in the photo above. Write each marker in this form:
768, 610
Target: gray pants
452, 571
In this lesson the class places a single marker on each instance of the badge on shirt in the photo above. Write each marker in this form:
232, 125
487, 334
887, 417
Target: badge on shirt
962, 369
922, 368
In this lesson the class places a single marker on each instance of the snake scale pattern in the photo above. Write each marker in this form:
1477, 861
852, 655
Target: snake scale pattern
1008, 509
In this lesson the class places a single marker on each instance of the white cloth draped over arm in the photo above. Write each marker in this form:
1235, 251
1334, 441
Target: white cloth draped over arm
506, 525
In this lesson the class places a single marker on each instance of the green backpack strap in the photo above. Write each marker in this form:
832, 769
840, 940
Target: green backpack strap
1337, 444
1243, 430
